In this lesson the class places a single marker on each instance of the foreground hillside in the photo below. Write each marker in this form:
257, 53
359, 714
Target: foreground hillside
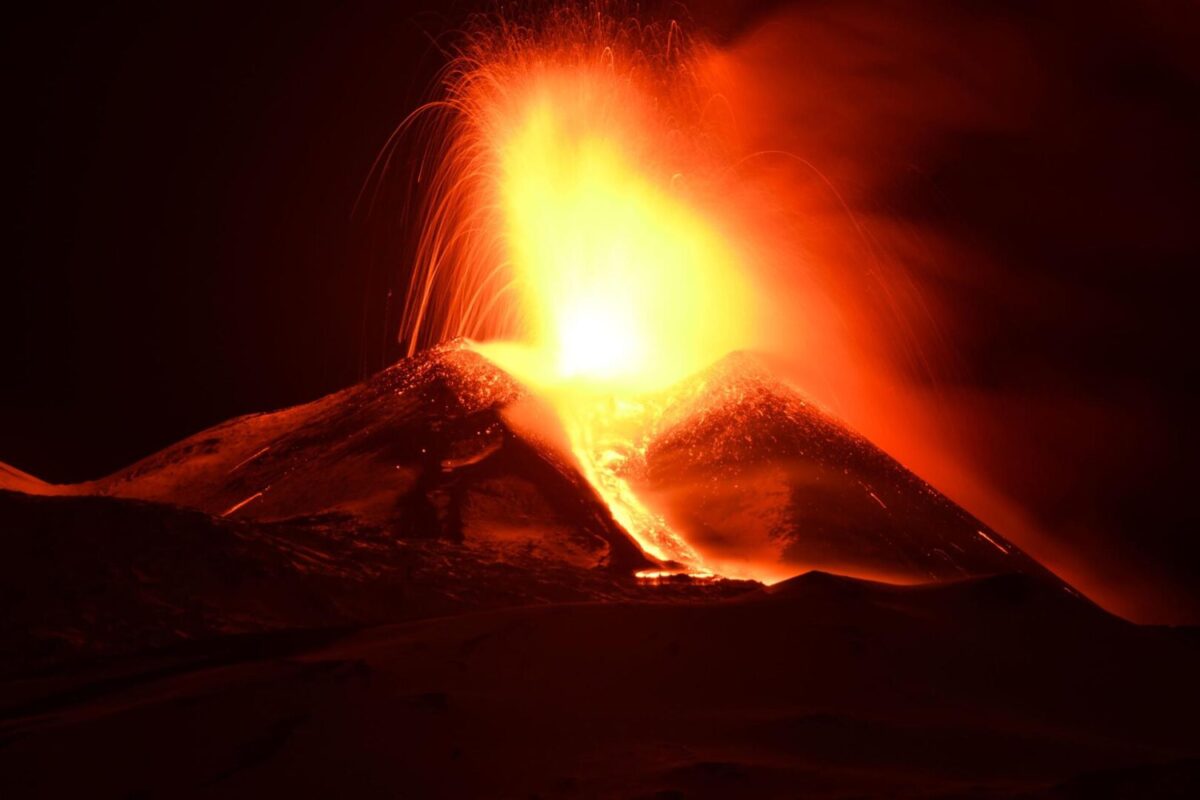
822, 687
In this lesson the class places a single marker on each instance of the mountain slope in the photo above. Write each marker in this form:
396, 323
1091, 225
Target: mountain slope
758, 478
426, 449
15, 480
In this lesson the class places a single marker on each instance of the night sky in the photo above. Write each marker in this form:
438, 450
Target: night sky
182, 250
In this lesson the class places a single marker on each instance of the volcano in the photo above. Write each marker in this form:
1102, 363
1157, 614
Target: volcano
409, 587
441, 485
443, 447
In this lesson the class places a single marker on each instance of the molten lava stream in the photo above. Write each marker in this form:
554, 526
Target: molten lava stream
606, 430
606, 433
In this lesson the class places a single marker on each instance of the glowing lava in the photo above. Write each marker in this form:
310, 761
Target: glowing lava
570, 220
625, 285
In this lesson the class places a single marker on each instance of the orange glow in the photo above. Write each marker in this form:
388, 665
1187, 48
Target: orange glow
608, 206
624, 285
592, 220
570, 229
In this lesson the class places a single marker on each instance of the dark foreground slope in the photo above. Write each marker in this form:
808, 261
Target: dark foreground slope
824, 687
86, 576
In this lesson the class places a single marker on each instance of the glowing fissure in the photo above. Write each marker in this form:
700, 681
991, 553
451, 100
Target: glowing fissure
565, 221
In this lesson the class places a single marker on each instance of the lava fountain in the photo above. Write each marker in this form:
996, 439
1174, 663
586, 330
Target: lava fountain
573, 182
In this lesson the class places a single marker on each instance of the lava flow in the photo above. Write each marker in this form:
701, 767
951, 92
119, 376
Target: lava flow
571, 226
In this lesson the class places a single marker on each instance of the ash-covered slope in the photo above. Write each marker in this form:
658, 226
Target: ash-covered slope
754, 474
425, 450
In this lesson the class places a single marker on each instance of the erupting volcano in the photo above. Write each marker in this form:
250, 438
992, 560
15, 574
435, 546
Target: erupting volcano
567, 229
583, 227
591, 536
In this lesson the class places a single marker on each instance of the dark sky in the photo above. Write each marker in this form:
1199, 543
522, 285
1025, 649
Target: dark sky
180, 180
